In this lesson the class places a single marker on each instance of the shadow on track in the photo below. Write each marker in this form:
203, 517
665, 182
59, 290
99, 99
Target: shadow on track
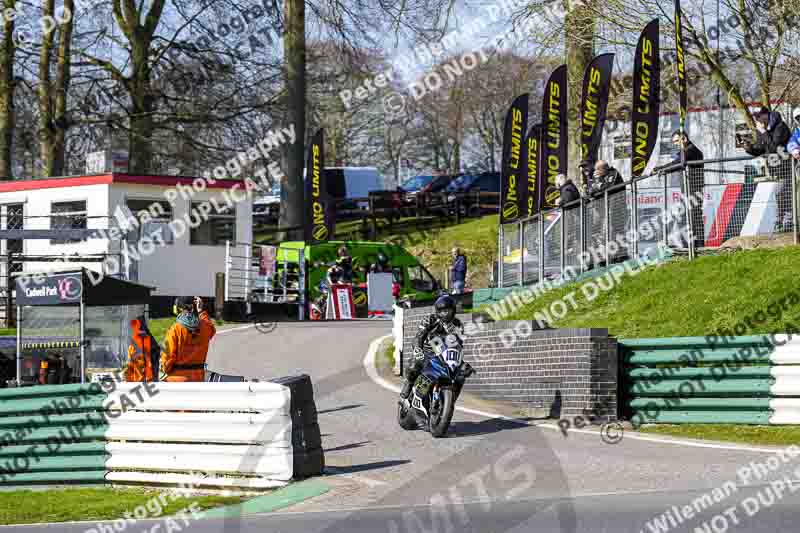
347, 446
486, 427
342, 408
353, 469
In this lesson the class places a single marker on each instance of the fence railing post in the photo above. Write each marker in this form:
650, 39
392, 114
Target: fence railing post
563, 236
521, 252
607, 224
501, 242
581, 236
793, 180
664, 213
541, 247
687, 206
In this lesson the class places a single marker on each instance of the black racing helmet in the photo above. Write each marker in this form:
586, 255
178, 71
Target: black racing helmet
382, 259
445, 308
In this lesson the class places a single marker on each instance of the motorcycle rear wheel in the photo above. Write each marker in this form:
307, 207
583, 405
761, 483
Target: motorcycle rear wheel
441, 422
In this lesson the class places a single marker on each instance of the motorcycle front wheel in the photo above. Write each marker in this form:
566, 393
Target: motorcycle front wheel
440, 420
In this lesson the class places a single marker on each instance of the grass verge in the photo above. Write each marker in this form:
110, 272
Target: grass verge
477, 238
387, 354
743, 434
63, 505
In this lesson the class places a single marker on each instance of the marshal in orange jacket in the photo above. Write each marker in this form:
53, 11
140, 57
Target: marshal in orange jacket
142, 353
185, 352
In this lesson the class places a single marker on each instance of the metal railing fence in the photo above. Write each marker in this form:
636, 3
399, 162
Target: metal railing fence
728, 198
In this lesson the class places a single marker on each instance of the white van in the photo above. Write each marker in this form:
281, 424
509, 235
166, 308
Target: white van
352, 182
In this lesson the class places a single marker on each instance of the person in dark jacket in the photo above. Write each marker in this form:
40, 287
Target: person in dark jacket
696, 175
459, 271
381, 265
772, 137
604, 176
567, 191
773, 133
345, 262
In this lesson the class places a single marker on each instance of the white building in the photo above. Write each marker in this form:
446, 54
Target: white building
155, 252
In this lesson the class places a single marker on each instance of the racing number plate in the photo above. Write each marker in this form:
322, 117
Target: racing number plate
452, 356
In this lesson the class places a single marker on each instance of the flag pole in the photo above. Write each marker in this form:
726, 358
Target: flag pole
680, 65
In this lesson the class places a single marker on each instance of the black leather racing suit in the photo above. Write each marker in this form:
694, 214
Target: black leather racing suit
430, 326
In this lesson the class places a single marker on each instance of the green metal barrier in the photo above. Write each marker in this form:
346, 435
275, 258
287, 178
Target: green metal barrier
52, 434
738, 380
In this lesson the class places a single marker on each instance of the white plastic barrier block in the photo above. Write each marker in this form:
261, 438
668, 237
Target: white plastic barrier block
214, 428
787, 381
787, 350
785, 411
209, 458
165, 396
178, 428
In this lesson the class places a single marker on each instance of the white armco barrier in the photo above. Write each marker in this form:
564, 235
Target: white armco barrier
203, 434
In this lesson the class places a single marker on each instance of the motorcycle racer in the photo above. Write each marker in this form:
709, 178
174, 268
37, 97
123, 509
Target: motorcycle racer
442, 322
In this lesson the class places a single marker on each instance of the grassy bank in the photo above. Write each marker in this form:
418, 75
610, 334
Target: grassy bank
683, 298
63, 505
478, 239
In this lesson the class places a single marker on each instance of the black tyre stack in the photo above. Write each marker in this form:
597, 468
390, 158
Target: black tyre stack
309, 459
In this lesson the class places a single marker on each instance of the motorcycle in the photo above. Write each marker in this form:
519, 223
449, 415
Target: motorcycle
436, 390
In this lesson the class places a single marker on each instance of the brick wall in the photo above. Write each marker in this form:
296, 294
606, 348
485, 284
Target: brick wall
556, 373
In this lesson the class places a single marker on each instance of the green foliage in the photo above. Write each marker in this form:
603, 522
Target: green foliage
683, 298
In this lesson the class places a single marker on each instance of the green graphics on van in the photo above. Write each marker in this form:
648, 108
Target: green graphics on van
414, 279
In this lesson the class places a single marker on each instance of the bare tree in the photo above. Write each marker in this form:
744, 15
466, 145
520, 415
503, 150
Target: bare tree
52, 93
7, 86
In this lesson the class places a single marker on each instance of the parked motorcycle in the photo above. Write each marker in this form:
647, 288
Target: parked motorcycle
436, 390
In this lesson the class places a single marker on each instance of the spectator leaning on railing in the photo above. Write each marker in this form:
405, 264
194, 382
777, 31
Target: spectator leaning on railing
605, 176
696, 180
772, 138
567, 191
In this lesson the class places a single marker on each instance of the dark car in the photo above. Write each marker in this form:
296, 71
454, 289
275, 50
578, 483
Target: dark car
423, 186
417, 183
467, 188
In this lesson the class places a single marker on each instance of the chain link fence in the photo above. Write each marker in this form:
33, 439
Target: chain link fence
52, 334
728, 199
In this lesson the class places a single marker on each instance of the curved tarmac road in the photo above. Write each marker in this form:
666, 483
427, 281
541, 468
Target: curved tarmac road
488, 475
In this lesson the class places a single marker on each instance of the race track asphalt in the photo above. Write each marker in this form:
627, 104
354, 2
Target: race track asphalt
487, 475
